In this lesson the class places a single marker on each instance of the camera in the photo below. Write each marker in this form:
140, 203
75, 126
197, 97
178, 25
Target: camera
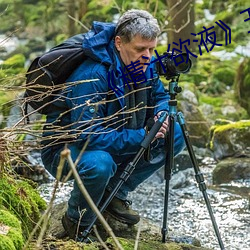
172, 65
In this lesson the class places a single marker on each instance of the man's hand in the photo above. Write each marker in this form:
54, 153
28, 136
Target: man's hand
164, 128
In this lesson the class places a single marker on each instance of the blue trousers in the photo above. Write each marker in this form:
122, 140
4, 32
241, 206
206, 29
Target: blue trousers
100, 170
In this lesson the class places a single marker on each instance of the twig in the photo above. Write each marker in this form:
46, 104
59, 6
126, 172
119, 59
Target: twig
99, 238
137, 236
66, 154
77, 21
45, 217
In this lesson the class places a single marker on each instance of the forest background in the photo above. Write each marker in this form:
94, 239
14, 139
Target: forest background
216, 75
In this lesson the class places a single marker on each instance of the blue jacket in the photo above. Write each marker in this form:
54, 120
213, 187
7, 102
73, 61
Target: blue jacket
96, 107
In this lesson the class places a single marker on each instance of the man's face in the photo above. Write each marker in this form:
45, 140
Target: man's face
135, 50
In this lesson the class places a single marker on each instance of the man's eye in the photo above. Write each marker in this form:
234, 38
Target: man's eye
140, 49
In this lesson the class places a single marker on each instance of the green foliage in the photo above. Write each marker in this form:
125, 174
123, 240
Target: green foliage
214, 101
224, 75
212, 75
219, 102
229, 12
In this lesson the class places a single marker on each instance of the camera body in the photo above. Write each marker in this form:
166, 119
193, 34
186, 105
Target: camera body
172, 65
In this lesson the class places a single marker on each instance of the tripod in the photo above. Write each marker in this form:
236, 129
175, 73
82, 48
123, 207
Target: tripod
169, 163
173, 90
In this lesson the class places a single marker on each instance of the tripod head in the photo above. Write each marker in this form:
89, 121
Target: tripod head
174, 89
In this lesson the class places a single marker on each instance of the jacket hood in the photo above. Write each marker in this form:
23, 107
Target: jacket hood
98, 43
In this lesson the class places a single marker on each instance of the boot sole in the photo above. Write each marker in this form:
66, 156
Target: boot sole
121, 219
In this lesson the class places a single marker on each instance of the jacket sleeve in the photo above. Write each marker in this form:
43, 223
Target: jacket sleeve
88, 115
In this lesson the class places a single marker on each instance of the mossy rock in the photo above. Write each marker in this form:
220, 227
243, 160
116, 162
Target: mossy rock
232, 139
22, 200
128, 244
10, 231
219, 107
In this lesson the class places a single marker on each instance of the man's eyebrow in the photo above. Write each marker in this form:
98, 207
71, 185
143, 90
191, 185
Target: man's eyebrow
144, 47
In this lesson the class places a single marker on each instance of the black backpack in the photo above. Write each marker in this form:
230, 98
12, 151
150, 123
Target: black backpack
47, 74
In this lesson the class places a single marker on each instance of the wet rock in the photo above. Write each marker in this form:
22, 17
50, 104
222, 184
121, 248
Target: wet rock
231, 169
150, 234
197, 125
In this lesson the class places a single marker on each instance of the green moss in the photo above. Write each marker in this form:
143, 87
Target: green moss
22, 200
224, 75
214, 101
6, 243
13, 239
128, 244
220, 132
16, 237
235, 125
9, 219
13, 71
16, 61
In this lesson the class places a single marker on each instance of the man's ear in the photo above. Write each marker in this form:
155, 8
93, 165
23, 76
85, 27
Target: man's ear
118, 42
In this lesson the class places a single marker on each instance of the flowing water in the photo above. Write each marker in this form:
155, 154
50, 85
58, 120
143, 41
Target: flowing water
187, 212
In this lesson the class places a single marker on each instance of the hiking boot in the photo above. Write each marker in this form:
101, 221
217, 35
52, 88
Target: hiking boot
121, 211
75, 231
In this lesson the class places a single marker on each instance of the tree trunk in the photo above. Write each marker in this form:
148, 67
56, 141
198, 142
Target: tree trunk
83, 7
72, 13
181, 23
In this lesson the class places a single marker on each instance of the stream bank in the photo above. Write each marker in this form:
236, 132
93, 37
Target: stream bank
188, 216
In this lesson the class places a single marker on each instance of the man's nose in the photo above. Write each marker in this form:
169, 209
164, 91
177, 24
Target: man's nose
146, 54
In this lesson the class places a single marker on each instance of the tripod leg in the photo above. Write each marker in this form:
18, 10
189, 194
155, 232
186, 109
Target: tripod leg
199, 177
129, 168
168, 173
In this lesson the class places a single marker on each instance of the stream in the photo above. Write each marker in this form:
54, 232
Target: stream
187, 212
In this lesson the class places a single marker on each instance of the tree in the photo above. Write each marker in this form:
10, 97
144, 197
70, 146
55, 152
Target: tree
181, 17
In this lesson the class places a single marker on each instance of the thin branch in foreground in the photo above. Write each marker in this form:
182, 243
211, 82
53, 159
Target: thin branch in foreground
46, 216
67, 155
99, 238
137, 236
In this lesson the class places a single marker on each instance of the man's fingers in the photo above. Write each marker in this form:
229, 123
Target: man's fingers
159, 135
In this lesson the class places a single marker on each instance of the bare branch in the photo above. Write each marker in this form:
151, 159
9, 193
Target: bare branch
79, 22
66, 154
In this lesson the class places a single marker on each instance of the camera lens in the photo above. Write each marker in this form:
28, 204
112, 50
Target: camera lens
181, 65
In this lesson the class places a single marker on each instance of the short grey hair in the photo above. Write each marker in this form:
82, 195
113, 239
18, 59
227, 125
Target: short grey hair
137, 22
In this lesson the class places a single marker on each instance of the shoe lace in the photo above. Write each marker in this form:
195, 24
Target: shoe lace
127, 203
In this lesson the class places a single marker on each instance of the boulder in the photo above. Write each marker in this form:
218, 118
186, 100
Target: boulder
150, 235
231, 169
231, 139
197, 125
